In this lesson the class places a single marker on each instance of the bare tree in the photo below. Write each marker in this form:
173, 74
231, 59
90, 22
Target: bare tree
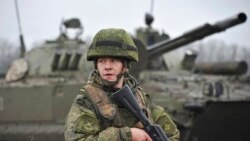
216, 51
8, 52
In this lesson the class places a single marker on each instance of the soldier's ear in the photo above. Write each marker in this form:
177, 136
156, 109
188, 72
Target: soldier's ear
125, 69
126, 63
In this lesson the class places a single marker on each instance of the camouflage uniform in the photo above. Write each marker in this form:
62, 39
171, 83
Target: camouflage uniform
85, 122
94, 116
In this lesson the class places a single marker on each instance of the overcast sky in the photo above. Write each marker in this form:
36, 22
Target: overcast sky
40, 19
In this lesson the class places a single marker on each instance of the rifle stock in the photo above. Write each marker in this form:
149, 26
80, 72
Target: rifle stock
126, 98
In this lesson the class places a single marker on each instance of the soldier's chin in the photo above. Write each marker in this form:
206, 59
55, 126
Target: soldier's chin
109, 83
110, 78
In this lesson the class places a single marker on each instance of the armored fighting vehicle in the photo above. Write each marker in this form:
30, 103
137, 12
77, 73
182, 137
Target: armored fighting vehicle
205, 107
39, 88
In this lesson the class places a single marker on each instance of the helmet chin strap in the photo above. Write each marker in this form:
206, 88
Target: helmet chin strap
108, 83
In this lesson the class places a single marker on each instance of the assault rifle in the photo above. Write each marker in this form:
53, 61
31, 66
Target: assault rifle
126, 98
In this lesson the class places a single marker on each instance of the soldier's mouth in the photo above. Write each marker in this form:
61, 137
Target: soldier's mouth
108, 74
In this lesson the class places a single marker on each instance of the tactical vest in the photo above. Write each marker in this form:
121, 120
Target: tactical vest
108, 113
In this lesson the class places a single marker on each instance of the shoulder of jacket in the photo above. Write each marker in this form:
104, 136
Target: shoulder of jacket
144, 94
82, 98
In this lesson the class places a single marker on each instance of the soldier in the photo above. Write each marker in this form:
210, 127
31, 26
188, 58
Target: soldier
93, 115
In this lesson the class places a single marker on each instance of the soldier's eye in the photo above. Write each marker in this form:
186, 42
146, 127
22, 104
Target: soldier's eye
115, 60
100, 60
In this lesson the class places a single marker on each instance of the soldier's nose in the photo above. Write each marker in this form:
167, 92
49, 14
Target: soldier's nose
108, 66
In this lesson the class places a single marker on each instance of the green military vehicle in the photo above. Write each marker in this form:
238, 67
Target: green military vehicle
39, 88
201, 98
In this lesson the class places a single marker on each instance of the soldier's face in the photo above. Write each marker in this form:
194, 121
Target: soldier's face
109, 68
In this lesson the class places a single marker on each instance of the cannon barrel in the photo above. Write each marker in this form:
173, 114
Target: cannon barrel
195, 34
222, 68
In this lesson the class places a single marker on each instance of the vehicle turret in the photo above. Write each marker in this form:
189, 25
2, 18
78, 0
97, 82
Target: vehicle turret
149, 53
57, 57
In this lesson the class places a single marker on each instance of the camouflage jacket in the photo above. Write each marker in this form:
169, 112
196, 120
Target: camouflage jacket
88, 121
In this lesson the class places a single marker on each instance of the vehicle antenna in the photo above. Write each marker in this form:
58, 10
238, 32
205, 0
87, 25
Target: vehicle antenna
22, 45
151, 7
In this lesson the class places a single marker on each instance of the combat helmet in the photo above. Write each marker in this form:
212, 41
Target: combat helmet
112, 42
